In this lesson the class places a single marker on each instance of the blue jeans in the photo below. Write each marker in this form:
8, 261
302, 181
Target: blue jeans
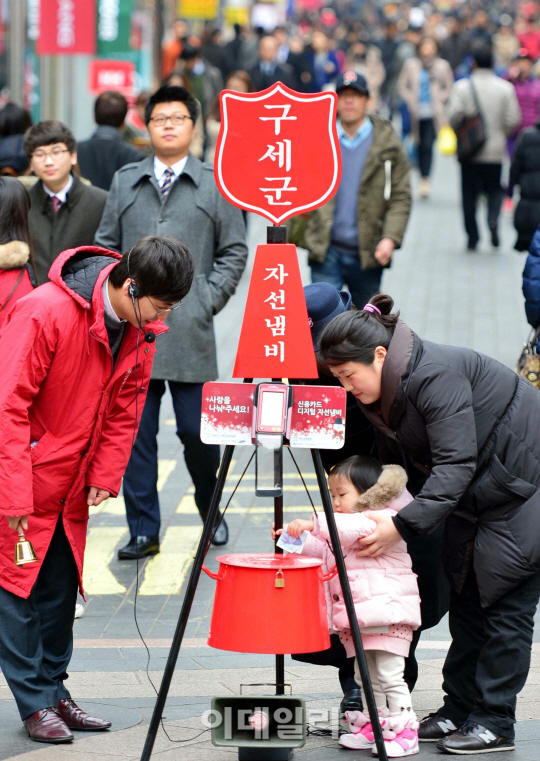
202, 460
340, 269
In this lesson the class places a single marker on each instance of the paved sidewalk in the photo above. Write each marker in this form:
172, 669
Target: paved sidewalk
446, 294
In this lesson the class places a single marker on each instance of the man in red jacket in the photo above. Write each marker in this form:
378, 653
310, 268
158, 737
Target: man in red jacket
76, 360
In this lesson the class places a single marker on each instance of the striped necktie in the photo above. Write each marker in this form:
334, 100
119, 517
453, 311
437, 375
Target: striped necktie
168, 179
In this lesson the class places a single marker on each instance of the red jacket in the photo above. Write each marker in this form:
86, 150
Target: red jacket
13, 259
58, 388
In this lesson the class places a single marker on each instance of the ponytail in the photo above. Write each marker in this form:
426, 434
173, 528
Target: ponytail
353, 336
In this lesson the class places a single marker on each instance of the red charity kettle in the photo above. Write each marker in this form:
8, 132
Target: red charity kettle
269, 603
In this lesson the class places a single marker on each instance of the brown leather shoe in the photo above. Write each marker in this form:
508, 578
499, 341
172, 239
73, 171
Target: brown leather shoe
47, 726
78, 719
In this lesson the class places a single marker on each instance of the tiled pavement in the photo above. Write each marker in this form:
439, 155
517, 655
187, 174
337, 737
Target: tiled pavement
446, 295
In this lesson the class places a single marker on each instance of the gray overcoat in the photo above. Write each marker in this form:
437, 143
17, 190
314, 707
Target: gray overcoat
195, 213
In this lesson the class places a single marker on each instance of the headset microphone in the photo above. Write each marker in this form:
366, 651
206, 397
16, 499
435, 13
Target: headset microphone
149, 337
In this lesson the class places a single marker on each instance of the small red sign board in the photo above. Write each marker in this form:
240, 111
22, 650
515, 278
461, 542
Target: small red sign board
278, 152
111, 75
275, 341
67, 27
227, 413
317, 419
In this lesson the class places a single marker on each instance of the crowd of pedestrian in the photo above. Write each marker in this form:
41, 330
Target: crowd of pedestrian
127, 227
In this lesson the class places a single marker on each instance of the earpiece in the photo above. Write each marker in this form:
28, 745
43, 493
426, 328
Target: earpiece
133, 290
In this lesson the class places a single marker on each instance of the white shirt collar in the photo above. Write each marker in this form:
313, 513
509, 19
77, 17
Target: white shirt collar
109, 311
160, 168
62, 194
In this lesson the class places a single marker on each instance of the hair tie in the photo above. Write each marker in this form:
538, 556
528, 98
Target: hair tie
372, 308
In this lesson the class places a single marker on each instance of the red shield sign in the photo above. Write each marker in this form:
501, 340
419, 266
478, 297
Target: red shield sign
278, 151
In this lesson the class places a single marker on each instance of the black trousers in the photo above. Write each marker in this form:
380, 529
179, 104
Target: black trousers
476, 179
426, 138
489, 658
36, 634
336, 656
202, 460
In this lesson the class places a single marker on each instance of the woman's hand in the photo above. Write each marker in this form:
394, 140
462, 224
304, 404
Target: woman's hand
384, 536
296, 527
276, 533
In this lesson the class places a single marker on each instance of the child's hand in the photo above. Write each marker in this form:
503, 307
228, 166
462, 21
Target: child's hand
276, 533
296, 527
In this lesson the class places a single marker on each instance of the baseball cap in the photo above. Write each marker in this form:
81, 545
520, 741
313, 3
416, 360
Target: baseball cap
324, 302
354, 81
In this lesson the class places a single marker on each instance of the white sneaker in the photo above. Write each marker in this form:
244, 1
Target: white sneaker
361, 735
79, 610
400, 738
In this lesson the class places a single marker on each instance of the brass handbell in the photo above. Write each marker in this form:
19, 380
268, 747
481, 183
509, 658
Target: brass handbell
24, 552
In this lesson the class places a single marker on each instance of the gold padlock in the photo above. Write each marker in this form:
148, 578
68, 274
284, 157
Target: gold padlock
280, 582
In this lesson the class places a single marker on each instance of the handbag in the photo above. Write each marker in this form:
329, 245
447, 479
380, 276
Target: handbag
446, 141
470, 132
528, 364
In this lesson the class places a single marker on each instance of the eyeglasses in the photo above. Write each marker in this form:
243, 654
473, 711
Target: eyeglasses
167, 309
176, 119
55, 154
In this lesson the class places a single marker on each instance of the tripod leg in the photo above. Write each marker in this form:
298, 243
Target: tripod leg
349, 605
278, 523
209, 526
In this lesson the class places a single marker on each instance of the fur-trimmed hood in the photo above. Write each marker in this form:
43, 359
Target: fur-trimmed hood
391, 484
14, 255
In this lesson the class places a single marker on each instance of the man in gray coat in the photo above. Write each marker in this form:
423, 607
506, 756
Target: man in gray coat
172, 193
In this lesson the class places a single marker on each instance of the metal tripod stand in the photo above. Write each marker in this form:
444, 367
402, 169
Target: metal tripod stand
204, 543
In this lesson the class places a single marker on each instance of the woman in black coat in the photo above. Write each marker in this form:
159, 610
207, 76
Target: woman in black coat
471, 425
525, 172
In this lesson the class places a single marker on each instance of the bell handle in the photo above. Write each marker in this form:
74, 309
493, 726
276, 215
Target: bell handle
210, 573
21, 535
331, 574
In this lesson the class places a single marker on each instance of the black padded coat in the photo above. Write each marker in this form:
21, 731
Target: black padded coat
473, 426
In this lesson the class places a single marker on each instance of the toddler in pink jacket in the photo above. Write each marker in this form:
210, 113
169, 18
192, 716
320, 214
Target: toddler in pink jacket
384, 590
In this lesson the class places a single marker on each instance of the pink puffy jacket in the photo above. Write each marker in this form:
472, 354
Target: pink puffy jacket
384, 588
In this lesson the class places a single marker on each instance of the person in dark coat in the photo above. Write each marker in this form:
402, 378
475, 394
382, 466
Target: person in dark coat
176, 194
471, 425
14, 121
531, 283
324, 303
65, 211
268, 71
525, 172
105, 152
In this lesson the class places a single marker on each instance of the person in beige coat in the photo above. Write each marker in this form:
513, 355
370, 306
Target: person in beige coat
366, 60
424, 84
501, 115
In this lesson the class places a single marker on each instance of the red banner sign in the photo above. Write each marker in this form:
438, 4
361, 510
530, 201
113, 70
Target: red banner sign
112, 75
278, 152
275, 341
67, 27
317, 418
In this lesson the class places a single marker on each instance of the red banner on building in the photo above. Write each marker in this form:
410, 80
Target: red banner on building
112, 75
67, 27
